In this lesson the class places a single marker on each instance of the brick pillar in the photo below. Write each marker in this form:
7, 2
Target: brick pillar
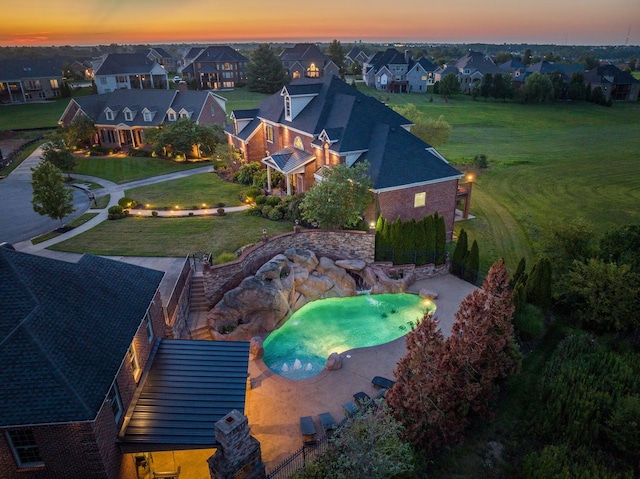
239, 455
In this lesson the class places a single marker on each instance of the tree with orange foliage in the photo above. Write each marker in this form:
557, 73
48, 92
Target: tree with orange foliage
442, 384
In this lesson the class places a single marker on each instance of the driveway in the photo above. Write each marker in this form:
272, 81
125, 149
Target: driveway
18, 221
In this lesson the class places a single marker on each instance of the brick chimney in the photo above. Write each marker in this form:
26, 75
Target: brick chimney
407, 55
182, 85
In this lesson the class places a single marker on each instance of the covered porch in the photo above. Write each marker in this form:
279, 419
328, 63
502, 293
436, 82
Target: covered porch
291, 163
187, 387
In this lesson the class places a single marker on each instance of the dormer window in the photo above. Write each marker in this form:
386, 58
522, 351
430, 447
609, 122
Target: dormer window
109, 114
128, 115
287, 107
171, 115
147, 115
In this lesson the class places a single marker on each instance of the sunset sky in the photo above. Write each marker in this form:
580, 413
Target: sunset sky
91, 22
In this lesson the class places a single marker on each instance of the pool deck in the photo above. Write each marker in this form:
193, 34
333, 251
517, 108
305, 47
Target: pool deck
275, 404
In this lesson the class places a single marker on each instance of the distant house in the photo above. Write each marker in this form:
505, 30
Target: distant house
616, 84
129, 71
315, 123
26, 81
89, 380
161, 57
215, 67
397, 72
469, 70
355, 55
305, 60
122, 117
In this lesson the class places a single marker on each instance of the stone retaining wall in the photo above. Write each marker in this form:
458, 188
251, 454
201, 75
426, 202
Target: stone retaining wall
219, 279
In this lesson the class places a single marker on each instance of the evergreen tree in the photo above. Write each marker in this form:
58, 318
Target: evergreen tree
50, 197
441, 238
420, 241
450, 85
265, 73
520, 272
430, 236
487, 86
395, 239
336, 53
519, 297
459, 253
539, 284
379, 237
472, 263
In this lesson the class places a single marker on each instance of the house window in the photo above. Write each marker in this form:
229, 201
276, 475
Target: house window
313, 71
24, 448
172, 116
287, 107
269, 133
54, 83
424, 77
109, 114
227, 66
128, 115
113, 398
420, 199
121, 79
297, 143
103, 80
227, 84
296, 74
135, 363
147, 116
149, 326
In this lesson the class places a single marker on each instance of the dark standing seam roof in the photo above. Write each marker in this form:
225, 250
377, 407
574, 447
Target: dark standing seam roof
64, 330
396, 156
189, 386
289, 159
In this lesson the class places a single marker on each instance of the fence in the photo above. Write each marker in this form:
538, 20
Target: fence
6, 161
299, 459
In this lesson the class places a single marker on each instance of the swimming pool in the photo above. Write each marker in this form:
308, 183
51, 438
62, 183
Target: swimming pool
300, 348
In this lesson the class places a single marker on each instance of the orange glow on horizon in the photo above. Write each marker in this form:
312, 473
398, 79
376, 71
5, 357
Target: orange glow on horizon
94, 22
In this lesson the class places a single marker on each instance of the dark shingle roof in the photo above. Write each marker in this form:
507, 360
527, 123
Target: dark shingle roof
158, 101
220, 53
391, 56
125, 64
302, 51
19, 69
64, 331
477, 61
424, 63
610, 74
357, 122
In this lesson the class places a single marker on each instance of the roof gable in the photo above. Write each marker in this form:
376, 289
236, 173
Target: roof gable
125, 63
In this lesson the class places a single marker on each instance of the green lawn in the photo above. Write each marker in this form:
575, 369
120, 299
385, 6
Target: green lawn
242, 99
196, 190
172, 237
125, 169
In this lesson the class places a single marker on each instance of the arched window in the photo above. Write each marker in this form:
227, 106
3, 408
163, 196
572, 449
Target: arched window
297, 143
313, 71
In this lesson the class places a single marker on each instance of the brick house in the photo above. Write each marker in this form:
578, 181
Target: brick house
397, 72
89, 376
121, 117
616, 84
469, 69
25, 81
305, 60
215, 67
129, 71
313, 123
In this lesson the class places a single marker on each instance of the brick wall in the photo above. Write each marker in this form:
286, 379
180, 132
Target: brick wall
333, 244
440, 197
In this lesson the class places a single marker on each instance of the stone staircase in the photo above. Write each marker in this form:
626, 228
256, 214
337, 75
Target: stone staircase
198, 309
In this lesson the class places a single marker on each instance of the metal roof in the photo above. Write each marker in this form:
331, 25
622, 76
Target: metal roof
189, 386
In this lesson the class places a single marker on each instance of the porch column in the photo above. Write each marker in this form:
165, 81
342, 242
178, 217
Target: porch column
269, 188
288, 184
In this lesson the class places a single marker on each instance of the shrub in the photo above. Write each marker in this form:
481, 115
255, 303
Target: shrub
127, 202
255, 211
275, 214
138, 153
273, 200
266, 210
261, 200
225, 258
221, 212
220, 204
246, 173
251, 193
190, 213
481, 162
154, 213
116, 212
529, 323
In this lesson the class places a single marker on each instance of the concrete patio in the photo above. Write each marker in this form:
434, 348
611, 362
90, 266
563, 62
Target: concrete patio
275, 404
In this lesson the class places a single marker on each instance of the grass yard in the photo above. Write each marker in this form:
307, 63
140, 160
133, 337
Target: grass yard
172, 237
196, 190
242, 99
125, 169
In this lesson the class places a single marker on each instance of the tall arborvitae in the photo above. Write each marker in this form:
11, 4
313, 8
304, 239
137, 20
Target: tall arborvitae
395, 238
408, 241
520, 274
472, 263
459, 253
420, 242
430, 234
539, 284
441, 238
379, 237
442, 385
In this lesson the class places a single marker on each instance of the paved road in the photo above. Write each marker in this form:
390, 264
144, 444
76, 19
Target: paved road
18, 221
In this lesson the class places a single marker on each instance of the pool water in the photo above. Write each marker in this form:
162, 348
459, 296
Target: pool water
300, 348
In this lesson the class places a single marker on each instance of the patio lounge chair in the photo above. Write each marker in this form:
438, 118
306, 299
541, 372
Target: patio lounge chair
362, 399
328, 423
308, 430
350, 409
382, 382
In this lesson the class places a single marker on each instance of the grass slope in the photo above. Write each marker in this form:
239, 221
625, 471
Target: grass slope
172, 237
